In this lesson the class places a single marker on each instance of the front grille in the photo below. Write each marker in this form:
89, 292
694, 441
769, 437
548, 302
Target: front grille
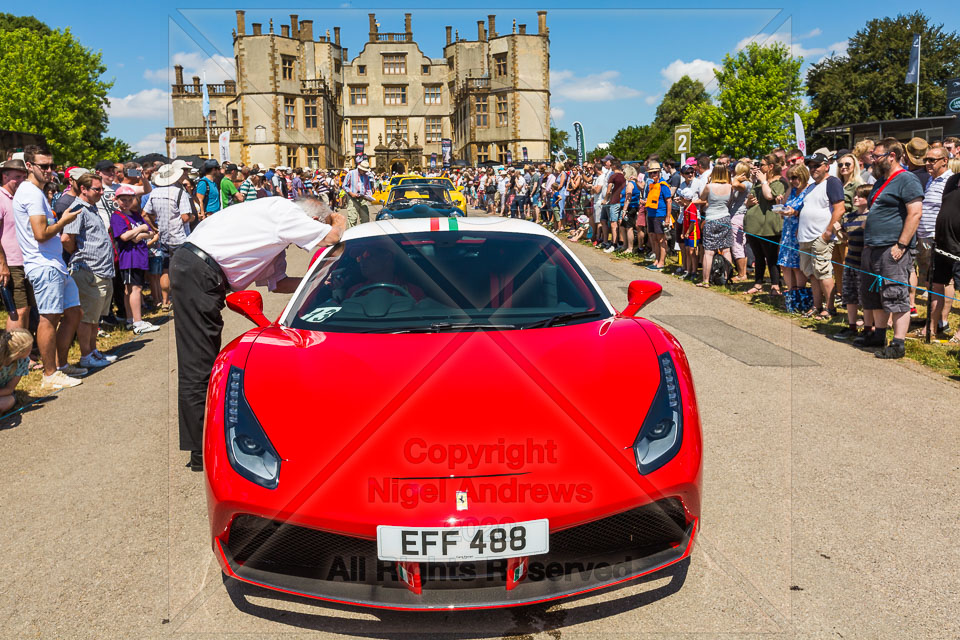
276, 547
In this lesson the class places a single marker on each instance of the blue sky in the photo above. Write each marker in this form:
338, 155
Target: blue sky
609, 66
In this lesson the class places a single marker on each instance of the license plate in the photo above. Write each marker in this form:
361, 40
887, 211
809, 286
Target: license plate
450, 544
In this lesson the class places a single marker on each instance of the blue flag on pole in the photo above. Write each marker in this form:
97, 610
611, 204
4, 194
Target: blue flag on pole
913, 67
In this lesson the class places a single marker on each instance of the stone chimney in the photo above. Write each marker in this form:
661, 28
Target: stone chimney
542, 23
492, 19
178, 73
306, 30
196, 84
373, 26
285, 30
449, 34
407, 27
514, 25
271, 25
257, 28
241, 25
336, 36
481, 31
523, 29
294, 29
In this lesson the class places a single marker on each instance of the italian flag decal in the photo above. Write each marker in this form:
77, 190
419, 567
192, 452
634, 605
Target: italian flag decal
450, 224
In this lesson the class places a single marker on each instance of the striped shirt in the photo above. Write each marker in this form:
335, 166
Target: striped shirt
94, 248
852, 224
932, 196
165, 205
248, 191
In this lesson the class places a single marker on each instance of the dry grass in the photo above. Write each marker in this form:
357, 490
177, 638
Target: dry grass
940, 356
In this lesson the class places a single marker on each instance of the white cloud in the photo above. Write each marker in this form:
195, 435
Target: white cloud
812, 34
556, 113
698, 69
144, 105
218, 68
595, 87
792, 43
151, 143
652, 99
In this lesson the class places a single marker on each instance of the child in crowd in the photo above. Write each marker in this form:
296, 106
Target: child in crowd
132, 234
583, 226
850, 228
15, 348
690, 236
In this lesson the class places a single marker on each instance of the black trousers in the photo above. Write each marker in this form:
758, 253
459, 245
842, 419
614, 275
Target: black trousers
765, 252
200, 291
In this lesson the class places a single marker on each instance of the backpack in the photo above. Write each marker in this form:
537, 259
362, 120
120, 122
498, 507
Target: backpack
721, 271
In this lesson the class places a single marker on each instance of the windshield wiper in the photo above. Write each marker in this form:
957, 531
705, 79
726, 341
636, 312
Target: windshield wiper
452, 326
561, 317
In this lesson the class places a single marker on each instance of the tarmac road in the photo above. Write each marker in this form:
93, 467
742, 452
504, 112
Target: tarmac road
829, 508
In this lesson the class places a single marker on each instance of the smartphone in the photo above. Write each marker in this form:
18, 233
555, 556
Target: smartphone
8, 302
133, 173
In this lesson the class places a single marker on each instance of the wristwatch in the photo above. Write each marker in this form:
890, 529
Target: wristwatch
902, 246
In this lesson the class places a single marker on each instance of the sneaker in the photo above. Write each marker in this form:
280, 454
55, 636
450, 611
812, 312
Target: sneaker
102, 356
102, 334
90, 361
913, 312
846, 333
610, 249
59, 380
143, 327
72, 370
892, 351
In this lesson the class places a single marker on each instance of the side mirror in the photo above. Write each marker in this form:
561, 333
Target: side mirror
640, 294
249, 304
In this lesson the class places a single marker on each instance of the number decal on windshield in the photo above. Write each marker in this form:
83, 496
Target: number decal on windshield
320, 314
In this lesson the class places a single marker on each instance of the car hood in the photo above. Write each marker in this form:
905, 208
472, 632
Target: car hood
380, 428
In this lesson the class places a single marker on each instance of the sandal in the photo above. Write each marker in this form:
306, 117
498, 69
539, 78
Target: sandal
955, 339
704, 285
775, 291
756, 289
810, 313
738, 279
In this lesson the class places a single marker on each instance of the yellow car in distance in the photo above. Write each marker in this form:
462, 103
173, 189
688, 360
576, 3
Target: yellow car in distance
384, 191
456, 194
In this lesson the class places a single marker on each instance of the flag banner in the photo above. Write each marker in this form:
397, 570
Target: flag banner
801, 136
224, 141
953, 96
913, 67
205, 100
358, 150
433, 160
525, 157
173, 148
578, 131
509, 156
446, 149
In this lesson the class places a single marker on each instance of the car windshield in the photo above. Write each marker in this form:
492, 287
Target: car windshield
413, 193
447, 280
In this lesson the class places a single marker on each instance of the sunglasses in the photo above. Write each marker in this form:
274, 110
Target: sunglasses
96, 189
845, 164
43, 167
933, 160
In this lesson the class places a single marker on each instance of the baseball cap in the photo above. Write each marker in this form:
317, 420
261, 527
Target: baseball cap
124, 190
228, 167
75, 172
691, 162
687, 168
104, 165
816, 158
181, 164
210, 164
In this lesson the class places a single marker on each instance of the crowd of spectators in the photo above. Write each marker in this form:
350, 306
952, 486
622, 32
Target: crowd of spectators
865, 228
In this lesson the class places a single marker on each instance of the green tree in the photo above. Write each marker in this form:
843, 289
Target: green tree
558, 139
633, 142
9, 22
110, 148
760, 88
868, 82
52, 86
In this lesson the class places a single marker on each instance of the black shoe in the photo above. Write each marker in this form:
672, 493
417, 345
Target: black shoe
892, 351
871, 339
196, 461
846, 333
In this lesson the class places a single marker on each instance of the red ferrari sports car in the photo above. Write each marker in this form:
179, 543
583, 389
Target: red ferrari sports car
450, 414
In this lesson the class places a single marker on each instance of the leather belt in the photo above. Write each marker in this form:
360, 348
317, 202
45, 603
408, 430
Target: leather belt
203, 255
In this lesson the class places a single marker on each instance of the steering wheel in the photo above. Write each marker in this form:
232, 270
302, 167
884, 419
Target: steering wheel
383, 285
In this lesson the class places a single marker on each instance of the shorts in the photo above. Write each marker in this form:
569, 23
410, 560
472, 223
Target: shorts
535, 198
739, 237
816, 259
630, 219
717, 234
95, 294
613, 213
924, 255
851, 285
655, 226
944, 269
54, 290
21, 289
642, 217
134, 277
598, 212
885, 285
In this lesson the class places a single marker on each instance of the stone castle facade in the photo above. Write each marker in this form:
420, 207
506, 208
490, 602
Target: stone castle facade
300, 100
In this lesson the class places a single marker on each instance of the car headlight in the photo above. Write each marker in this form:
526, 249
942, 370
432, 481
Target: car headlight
385, 216
248, 448
662, 431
